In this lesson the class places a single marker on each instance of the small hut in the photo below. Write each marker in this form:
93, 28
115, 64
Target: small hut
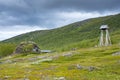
27, 47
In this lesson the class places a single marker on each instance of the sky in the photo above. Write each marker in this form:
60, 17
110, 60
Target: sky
21, 16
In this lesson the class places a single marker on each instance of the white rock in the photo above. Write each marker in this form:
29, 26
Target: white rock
116, 54
61, 78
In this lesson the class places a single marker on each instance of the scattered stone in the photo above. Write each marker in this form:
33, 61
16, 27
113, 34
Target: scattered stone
55, 78
26, 79
8, 61
39, 61
55, 57
23, 79
79, 66
7, 77
116, 54
91, 68
60, 78
32, 59
67, 54
41, 57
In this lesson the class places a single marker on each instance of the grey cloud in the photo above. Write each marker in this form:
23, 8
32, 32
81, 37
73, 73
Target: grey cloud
43, 12
87, 5
31, 6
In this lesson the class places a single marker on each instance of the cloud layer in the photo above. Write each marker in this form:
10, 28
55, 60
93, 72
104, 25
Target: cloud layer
51, 13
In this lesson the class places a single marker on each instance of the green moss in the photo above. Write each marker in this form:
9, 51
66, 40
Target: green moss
107, 66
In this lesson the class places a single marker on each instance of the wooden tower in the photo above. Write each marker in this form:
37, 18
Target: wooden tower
104, 37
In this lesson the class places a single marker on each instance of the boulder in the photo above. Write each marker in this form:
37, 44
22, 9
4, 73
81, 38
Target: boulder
59, 78
79, 66
91, 68
27, 47
116, 54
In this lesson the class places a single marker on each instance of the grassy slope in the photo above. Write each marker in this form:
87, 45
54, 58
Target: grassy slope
35, 67
80, 34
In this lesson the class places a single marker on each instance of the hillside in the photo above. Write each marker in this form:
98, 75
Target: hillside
84, 63
77, 35
80, 34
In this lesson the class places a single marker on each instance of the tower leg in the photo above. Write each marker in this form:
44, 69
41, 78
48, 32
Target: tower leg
101, 39
108, 41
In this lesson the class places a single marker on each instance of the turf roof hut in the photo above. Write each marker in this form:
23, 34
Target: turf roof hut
27, 47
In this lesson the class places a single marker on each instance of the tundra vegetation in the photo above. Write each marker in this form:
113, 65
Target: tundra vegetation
76, 56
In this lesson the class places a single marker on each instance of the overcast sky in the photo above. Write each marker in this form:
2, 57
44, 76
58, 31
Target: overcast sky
21, 16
